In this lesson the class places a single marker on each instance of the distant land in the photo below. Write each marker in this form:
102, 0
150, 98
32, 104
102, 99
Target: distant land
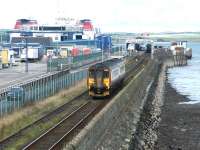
189, 36
166, 36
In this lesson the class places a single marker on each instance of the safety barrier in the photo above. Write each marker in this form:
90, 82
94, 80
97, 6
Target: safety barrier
73, 62
55, 64
19, 95
165, 54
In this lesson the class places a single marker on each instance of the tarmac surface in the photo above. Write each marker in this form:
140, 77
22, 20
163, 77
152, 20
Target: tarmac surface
16, 74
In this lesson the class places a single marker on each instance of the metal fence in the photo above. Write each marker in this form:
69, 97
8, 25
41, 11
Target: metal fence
15, 97
179, 59
74, 62
55, 64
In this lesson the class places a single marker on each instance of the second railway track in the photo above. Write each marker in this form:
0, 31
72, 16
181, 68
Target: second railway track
66, 127
60, 112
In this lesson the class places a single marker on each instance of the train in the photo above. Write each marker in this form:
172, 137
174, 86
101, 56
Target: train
105, 77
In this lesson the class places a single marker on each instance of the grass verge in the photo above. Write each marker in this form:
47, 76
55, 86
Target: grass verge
25, 116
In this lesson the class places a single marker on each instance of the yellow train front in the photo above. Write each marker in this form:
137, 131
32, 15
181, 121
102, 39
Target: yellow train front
104, 77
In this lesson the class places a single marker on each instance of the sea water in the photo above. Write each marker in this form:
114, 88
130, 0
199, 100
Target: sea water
186, 80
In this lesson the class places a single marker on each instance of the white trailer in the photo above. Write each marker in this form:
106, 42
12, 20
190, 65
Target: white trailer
32, 54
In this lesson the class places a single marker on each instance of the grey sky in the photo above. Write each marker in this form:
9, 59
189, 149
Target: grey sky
109, 15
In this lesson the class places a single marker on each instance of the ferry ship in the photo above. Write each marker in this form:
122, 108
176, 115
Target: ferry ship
62, 30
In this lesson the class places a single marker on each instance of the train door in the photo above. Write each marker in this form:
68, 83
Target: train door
106, 78
99, 79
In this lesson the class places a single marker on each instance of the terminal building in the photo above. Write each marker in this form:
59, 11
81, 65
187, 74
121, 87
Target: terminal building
68, 34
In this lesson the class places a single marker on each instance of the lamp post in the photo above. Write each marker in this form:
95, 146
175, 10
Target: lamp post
25, 35
26, 66
24, 41
110, 46
102, 40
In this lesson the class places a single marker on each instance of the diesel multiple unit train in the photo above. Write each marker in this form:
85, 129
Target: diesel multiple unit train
104, 77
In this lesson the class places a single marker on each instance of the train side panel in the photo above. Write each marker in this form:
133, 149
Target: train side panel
117, 75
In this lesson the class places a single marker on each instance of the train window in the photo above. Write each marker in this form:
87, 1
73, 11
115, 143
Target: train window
91, 74
106, 74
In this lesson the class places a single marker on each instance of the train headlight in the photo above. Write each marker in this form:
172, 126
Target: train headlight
90, 81
106, 83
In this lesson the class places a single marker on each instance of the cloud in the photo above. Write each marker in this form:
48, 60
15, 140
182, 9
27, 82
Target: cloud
110, 15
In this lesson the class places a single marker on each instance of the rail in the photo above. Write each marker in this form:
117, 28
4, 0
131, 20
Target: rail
51, 138
65, 109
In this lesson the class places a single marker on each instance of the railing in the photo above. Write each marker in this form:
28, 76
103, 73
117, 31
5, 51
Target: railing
178, 59
55, 64
19, 95
73, 62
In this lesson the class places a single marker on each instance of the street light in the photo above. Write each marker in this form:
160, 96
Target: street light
102, 43
26, 53
25, 35
110, 46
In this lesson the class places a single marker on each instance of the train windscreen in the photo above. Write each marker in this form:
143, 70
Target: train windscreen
99, 74
106, 74
92, 74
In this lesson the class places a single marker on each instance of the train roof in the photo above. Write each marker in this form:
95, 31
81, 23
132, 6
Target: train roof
107, 64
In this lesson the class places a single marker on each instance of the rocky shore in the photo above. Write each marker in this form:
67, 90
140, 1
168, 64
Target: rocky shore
165, 124
179, 128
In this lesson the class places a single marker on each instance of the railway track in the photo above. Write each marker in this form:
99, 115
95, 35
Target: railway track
136, 65
66, 127
62, 111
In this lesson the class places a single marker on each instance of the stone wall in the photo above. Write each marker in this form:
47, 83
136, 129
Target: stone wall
146, 134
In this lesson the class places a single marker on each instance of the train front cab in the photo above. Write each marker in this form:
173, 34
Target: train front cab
99, 82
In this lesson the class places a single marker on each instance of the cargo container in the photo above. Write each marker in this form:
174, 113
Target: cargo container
86, 51
104, 42
32, 54
1, 63
63, 53
74, 51
5, 58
